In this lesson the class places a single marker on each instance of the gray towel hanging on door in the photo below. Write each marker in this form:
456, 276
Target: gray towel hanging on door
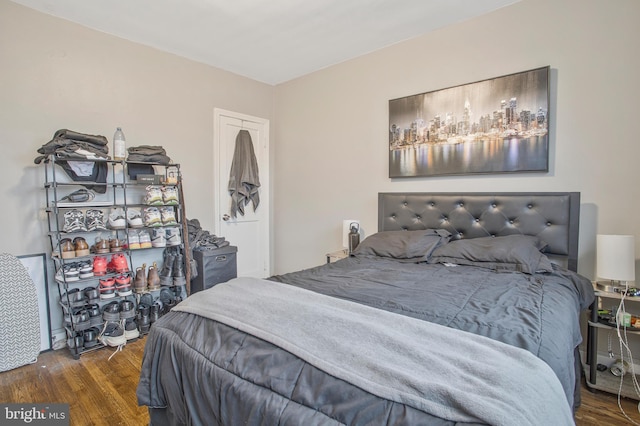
243, 179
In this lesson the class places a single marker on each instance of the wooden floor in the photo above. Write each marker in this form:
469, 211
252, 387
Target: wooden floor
103, 392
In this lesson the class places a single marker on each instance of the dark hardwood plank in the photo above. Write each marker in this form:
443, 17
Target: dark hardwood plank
99, 391
103, 392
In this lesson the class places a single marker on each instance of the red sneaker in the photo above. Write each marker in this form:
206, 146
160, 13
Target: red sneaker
119, 263
99, 265
107, 288
123, 285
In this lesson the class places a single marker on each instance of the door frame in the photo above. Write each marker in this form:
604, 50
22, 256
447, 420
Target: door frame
265, 197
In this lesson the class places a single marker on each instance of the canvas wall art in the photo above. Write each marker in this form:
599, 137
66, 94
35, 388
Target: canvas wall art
499, 125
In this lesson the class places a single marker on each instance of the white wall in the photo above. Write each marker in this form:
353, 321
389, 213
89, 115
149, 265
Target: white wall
331, 129
55, 74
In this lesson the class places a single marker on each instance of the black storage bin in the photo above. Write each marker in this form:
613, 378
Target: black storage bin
214, 267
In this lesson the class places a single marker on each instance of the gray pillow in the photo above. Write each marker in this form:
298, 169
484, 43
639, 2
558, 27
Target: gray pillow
520, 253
411, 245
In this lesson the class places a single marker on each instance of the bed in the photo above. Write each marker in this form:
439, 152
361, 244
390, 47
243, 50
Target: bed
461, 309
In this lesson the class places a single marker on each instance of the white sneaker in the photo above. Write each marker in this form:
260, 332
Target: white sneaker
113, 334
152, 217
158, 238
95, 220
145, 239
117, 219
168, 216
173, 237
154, 196
134, 240
134, 218
170, 195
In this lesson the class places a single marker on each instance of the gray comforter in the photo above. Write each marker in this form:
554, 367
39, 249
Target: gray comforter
199, 371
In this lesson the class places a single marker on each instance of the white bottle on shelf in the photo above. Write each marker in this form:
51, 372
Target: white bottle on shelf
119, 145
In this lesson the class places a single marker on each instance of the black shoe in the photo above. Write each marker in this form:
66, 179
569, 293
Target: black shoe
154, 312
178, 271
127, 309
131, 329
111, 312
91, 337
166, 274
95, 316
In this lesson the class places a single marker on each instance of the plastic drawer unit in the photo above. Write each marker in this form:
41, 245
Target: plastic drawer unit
214, 267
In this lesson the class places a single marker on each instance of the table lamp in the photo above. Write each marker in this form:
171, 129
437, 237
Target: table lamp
615, 261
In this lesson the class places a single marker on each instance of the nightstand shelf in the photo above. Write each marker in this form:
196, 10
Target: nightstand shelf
605, 380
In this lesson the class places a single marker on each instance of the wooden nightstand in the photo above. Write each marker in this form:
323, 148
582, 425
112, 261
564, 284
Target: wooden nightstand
337, 255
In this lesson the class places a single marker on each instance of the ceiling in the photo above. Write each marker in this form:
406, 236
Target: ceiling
270, 41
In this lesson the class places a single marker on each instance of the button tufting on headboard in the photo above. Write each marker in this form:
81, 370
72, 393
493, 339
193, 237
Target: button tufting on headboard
553, 216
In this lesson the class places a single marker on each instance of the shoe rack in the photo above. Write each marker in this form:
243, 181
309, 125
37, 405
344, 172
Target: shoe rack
119, 249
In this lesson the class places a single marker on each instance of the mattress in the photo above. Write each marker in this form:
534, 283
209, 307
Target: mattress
201, 371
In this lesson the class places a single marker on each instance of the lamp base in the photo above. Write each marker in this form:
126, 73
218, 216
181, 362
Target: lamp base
611, 286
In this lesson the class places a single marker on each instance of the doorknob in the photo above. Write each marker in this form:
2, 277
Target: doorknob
226, 217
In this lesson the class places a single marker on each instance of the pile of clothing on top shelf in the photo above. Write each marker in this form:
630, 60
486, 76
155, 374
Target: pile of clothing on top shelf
145, 154
76, 153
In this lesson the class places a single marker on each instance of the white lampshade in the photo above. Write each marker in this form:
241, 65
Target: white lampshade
346, 227
616, 258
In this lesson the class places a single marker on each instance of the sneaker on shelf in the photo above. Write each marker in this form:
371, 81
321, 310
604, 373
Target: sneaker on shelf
134, 240
91, 337
73, 298
111, 311
74, 221
142, 317
67, 249
80, 246
76, 342
95, 220
99, 265
118, 263
145, 239
123, 285
68, 273
79, 319
134, 218
152, 217
127, 309
173, 237
170, 195
158, 237
153, 196
131, 329
168, 216
113, 335
117, 219
92, 294
107, 288
95, 315
86, 269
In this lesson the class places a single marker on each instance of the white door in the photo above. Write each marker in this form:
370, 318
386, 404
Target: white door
248, 232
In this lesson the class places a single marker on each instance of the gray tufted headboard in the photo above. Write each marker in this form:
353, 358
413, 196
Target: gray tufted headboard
552, 216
